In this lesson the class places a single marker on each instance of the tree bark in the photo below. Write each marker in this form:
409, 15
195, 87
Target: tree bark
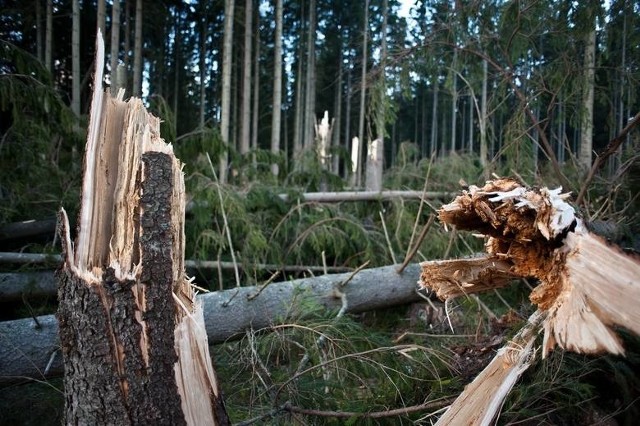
48, 37
310, 80
102, 15
363, 90
115, 46
26, 348
255, 120
277, 89
225, 110
137, 51
245, 119
130, 330
75, 58
586, 128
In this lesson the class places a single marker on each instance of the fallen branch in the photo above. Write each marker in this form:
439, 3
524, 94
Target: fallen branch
334, 197
25, 349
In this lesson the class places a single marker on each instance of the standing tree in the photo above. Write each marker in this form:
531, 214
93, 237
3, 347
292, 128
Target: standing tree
227, 64
245, 119
115, 46
75, 58
277, 88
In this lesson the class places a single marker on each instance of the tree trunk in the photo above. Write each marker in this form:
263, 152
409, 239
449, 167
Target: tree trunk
39, 38
256, 90
375, 158
115, 46
298, 133
586, 128
454, 100
347, 127
137, 51
245, 119
203, 33
434, 118
48, 37
225, 110
75, 59
102, 14
335, 158
483, 118
310, 83
363, 90
25, 350
130, 330
277, 89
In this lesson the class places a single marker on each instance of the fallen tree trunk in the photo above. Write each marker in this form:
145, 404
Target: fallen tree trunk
334, 197
14, 286
586, 286
28, 347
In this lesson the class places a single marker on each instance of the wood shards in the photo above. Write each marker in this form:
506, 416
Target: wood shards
586, 286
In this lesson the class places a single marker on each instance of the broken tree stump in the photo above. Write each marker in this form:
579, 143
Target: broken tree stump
132, 335
586, 285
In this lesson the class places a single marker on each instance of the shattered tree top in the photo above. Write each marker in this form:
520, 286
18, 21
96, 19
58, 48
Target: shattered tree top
586, 285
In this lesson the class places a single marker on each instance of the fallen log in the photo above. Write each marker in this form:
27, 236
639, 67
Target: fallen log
16, 285
28, 347
587, 287
334, 197
190, 265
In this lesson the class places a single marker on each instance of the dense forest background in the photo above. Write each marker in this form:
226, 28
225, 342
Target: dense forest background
451, 92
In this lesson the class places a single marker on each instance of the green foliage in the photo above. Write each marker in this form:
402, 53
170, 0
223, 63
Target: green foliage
39, 147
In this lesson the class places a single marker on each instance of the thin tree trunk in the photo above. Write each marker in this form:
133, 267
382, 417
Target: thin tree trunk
298, 133
483, 117
225, 110
277, 89
39, 38
376, 157
102, 12
309, 115
202, 66
335, 160
115, 46
586, 128
48, 37
454, 100
75, 58
245, 120
177, 41
470, 112
434, 118
256, 89
126, 57
347, 123
137, 51
363, 89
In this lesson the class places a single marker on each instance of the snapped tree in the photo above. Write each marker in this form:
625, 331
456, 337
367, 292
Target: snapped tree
132, 334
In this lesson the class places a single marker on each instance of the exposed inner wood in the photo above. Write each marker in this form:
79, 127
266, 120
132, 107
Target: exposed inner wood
131, 332
586, 285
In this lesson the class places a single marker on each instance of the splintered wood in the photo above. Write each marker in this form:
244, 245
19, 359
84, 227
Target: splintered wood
586, 285
132, 333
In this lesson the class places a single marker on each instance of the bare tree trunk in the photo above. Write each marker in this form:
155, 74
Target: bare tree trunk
363, 89
245, 120
227, 64
256, 89
102, 12
335, 160
483, 117
375, 159
454, 100
310, 100
131, 334
75, 58
115, 46
202, 65
277, 89
126, 57
586, 128
434, 118
298, 133
347, 124
137, 52
48, 37
39, 38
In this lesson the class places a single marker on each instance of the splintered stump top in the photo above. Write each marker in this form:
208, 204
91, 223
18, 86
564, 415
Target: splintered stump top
586, 285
